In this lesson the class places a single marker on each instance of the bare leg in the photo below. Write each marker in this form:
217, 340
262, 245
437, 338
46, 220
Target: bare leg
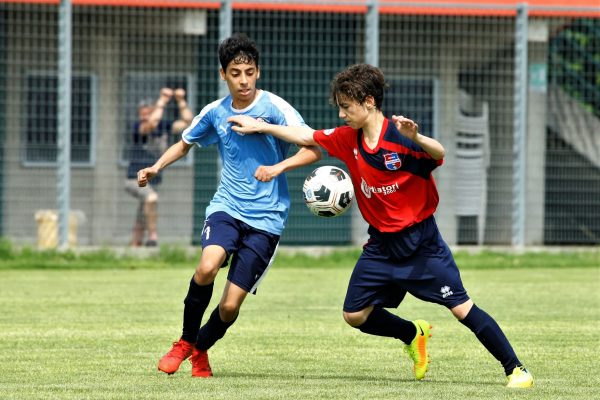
151, 215
231, 301
137, 233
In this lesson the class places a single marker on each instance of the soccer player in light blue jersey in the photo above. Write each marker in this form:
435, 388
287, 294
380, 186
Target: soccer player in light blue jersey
247, 214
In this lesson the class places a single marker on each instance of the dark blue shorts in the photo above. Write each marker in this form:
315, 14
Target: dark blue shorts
251, 250
415, 260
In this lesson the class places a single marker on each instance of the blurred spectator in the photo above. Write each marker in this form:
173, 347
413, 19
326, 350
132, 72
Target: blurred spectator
150, 138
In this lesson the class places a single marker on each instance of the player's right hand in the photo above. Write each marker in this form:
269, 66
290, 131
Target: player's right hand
266, 173
144, 176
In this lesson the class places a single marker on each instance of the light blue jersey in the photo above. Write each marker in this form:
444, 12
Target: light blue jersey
262, 205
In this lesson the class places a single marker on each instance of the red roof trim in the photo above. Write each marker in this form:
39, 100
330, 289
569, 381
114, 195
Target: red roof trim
537, 8
128, 3
301, 7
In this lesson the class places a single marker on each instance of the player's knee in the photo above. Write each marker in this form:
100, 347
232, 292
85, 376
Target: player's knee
354, 319
461, 310
205, 273
229, 311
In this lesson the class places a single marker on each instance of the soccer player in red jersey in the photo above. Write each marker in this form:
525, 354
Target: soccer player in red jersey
391, 166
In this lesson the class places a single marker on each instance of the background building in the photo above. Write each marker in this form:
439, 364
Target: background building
484, 78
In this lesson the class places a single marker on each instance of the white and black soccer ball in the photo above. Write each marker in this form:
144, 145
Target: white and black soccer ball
328, 191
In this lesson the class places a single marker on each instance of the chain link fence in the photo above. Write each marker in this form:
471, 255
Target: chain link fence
453, 67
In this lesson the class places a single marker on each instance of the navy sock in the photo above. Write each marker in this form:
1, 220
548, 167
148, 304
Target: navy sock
383, 323
213, 330
195, 304
491, 336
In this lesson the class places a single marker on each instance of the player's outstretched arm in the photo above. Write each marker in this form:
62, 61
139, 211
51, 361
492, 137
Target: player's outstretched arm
302, 135
305, 155
172, 154
410, 129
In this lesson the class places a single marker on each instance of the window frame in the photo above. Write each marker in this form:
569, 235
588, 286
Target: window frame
128, 112
93, 118
393, 80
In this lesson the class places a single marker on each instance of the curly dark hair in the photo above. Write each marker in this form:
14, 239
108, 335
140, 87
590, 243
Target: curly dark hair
358, 82
238, 48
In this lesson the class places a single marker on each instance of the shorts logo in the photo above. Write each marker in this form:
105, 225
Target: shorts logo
207, 232
445, 291
392, 161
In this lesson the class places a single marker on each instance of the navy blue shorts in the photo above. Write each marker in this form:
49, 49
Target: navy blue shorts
415, 260
251, 250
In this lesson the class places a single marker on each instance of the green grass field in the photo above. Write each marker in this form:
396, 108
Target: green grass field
98, 334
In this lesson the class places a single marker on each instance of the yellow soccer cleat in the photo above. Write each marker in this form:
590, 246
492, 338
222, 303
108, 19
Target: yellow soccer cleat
520, 378
417, 349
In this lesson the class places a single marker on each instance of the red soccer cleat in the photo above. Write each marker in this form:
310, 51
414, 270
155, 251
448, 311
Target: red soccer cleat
171, 361
200, 365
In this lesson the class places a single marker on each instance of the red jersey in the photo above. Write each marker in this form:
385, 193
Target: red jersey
393, 183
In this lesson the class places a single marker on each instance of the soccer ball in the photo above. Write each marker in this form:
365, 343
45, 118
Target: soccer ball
328, 191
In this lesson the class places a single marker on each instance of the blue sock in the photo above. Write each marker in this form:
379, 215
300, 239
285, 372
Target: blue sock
195, 304
491, 336
383, 323
213, 330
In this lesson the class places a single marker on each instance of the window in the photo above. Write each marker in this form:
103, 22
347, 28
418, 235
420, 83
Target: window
41, 132
415, 98
146, 86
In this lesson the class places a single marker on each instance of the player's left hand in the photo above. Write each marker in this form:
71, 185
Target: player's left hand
266, 173
244, 124
407, 127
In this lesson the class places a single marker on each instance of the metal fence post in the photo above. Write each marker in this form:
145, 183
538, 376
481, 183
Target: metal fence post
65, 33
372, 33
359, 225
520, 127
225, 22
3, 118
225, 30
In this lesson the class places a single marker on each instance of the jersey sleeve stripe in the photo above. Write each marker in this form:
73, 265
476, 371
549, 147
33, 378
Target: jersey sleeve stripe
292, 117
187, 135
399, 148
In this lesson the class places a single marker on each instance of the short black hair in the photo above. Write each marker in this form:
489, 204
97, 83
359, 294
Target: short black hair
358, 82
238, 48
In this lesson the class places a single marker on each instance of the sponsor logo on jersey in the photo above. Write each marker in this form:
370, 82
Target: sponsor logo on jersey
355, 151
328, 132
392, 161
385, 190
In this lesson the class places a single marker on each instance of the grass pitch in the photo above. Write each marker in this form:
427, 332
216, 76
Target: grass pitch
98, 334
